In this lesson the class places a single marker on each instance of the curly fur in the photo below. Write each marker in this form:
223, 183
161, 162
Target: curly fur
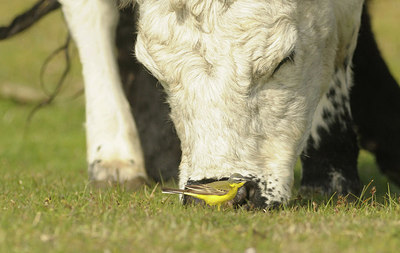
232, 111
247, 82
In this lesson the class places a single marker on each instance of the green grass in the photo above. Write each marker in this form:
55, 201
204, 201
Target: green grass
46, 204
51, 212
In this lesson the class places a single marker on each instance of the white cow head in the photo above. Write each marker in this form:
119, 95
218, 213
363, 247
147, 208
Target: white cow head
244, 79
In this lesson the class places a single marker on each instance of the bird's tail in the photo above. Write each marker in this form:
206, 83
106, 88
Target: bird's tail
171, 190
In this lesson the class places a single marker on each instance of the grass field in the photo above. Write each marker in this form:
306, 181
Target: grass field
47, 206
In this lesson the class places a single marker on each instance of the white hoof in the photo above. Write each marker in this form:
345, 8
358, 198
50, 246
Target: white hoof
107, 173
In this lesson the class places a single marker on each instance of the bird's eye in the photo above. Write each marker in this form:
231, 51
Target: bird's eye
290, 58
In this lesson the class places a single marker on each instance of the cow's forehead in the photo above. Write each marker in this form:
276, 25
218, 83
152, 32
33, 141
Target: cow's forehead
205, 16
262, 33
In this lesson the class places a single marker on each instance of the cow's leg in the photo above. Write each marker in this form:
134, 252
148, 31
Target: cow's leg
113, 147
375, 103
148, 104
330, 158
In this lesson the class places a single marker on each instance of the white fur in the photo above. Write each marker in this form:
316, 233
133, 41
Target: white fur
113, 147
337, 181
216, 61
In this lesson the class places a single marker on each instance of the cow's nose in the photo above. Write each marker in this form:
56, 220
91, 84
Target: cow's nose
245, 196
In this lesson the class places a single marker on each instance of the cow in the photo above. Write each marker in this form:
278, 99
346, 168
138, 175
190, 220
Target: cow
251, 85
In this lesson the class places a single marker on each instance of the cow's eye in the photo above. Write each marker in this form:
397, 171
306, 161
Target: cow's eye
290, 58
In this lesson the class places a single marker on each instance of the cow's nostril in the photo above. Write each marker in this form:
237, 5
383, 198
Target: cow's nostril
245, 196
241, 197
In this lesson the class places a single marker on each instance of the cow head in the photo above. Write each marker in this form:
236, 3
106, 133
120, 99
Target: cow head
243, 80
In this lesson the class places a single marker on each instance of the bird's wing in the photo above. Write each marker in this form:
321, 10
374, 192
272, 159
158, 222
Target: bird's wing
220, 185
171, 190
205, 189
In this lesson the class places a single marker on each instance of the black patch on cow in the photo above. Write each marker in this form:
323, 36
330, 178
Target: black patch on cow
160, 144
331, 93
326, 114
336, 153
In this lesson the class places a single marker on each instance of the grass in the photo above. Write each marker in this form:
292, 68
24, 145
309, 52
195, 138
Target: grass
46, 204
54, 213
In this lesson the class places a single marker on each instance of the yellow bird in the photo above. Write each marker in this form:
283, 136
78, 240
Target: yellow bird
214, 193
